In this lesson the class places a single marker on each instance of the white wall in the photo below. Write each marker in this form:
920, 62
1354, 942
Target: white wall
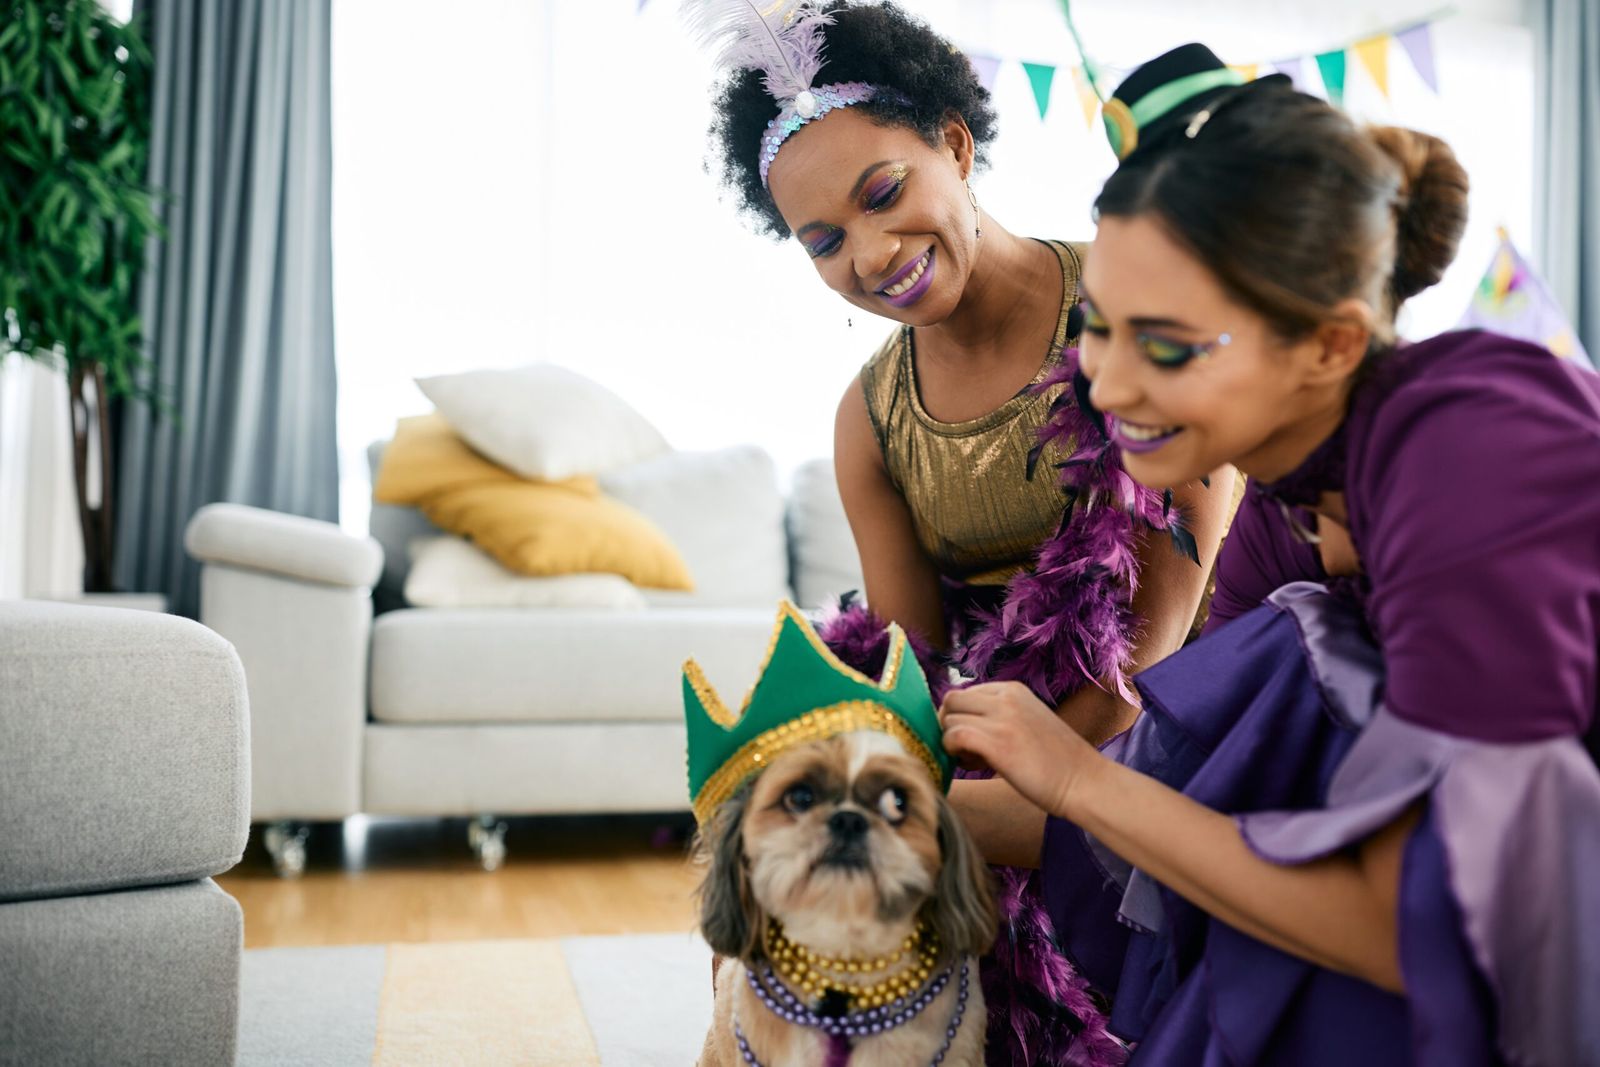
518, 181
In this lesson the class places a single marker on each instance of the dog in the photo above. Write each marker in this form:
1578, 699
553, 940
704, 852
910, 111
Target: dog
841, 856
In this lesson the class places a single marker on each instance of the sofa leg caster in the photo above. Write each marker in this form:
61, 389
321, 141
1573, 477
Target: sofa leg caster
286, 843
486, 836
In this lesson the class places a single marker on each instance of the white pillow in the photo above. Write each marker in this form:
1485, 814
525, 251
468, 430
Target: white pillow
723, 511
542, 421
820, 544
451, 572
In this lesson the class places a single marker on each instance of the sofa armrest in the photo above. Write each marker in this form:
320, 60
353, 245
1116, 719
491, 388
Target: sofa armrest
288, 545
294, 596
123, 750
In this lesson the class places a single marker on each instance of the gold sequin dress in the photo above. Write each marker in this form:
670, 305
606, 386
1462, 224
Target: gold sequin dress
975, 511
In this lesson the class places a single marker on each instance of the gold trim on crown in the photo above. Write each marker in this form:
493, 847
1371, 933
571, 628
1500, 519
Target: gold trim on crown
718, 712
817, 725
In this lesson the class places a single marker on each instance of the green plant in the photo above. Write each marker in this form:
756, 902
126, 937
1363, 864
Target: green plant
75, 215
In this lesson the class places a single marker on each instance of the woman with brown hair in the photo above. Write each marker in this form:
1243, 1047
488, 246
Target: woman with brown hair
1356, 824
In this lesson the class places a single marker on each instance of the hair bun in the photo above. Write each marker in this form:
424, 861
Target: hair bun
1431, 211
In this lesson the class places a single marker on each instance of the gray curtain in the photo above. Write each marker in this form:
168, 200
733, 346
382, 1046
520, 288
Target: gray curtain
237, 301
1567, 49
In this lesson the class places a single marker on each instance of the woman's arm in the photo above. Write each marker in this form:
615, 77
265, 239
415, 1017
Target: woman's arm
1339, 912
902, 582
1168, 597
903, 586
1007, 826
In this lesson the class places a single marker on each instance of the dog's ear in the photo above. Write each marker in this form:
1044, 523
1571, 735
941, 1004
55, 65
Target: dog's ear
962, 909
730, 919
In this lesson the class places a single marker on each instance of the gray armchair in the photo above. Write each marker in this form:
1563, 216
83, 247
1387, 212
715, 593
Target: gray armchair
124, 785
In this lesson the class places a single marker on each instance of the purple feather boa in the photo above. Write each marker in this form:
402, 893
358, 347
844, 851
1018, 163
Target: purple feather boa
1068, 620
1064, 623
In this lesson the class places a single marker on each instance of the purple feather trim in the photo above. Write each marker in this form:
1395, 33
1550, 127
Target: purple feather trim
1068, 621
1041, 1010
861, 640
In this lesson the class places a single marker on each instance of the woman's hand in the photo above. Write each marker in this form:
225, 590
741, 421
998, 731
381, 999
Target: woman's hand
1003, 726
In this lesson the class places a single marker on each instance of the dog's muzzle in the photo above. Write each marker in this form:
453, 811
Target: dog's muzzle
847, 840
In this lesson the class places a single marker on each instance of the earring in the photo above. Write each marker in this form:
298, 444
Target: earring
972, 196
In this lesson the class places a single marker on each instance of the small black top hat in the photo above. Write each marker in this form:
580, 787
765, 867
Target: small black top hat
1160, 95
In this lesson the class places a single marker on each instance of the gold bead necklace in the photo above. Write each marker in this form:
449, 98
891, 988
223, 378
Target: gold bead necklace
815, 976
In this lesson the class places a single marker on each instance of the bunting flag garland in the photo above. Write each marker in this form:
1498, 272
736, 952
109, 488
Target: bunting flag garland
1331, 64
1374, 55
1332, 67
1418, 43
985, 67
1294, 70
1087, 100
1513, 300
1040, 76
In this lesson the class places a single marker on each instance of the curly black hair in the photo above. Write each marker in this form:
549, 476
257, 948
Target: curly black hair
878, 44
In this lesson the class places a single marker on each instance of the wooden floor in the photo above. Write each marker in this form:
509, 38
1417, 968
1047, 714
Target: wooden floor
379, 880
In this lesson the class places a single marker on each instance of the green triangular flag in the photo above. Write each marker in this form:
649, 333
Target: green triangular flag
1040, 75
1331, 64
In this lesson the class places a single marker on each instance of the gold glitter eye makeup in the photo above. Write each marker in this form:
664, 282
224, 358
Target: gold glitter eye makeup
885, 188
1169, 354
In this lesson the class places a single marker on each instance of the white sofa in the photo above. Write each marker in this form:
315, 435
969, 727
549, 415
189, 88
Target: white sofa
502, 711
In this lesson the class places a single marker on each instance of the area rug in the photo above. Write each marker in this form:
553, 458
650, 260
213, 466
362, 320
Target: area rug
635, 1001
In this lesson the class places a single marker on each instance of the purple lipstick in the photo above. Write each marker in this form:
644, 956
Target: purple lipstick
1131, 437
910, 283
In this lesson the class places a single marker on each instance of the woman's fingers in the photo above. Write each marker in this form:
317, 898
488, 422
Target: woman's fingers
978, 699
968, 747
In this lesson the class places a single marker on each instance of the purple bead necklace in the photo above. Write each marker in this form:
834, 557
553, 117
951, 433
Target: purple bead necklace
841, 1029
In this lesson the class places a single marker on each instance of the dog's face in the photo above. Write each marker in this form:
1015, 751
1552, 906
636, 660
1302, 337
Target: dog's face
847, 833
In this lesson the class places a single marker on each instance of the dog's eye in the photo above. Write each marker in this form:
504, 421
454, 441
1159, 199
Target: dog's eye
799, 798
892, 804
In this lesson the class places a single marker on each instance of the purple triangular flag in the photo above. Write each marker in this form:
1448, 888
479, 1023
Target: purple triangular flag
1418, 43
1294, 69
985, 67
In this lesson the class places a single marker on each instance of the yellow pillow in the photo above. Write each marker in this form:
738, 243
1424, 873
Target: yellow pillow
537, 528
543, 529
426, 456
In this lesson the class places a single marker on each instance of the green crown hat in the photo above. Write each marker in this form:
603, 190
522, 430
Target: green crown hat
1161, 94
804, 693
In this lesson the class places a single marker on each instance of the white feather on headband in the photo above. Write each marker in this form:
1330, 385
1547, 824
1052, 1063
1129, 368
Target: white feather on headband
780, 38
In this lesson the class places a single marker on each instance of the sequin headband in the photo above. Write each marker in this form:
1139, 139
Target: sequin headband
811, 104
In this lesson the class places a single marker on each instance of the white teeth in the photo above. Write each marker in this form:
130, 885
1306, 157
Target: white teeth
1145, 433
911, 279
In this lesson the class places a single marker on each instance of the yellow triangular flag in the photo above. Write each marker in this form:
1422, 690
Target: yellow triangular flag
1247, 71
1374, 53
1086, 96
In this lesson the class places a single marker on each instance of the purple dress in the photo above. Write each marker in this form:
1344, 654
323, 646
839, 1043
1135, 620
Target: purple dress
1460, 672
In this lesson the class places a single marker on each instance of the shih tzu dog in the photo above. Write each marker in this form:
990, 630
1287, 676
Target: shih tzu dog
850, 906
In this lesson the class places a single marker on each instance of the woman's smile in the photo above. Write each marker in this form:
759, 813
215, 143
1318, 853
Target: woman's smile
1133, 437
910, 282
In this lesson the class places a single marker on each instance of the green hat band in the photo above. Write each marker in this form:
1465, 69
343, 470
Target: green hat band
1123, 122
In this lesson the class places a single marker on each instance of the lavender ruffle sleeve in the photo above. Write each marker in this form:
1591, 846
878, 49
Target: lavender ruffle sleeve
1279, 715
1520, 828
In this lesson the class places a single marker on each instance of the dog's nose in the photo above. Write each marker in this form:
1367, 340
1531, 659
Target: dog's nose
847, 825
